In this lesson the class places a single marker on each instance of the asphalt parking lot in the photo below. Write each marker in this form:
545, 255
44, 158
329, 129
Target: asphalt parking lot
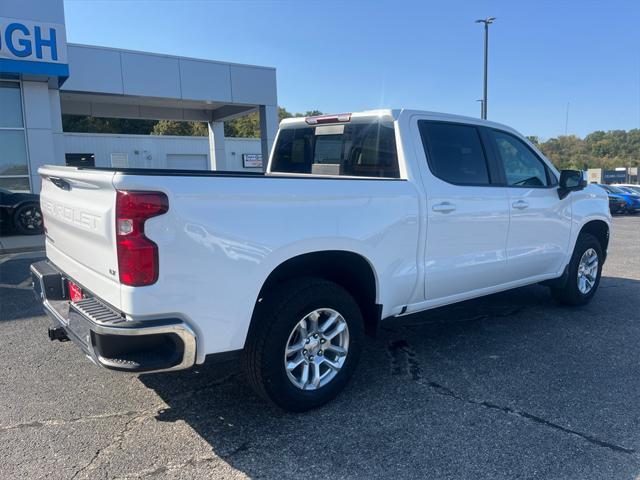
511, 386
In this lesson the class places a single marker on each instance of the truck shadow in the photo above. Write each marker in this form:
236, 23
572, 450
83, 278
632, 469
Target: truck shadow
17, 300
489, 386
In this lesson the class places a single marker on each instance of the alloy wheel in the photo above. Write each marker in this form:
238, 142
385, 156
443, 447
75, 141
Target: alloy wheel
316, 349
587, 271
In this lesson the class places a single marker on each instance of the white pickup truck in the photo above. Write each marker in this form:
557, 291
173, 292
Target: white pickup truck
359, 217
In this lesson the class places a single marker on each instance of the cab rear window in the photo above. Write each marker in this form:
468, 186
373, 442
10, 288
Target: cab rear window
353, 149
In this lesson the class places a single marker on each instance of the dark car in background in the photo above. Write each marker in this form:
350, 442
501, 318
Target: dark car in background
20, 213
617, 204
621, 201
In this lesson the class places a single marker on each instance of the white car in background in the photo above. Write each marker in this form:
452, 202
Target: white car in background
359, 218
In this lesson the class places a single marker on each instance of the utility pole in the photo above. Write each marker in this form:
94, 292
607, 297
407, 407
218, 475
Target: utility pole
481, 107
487, 21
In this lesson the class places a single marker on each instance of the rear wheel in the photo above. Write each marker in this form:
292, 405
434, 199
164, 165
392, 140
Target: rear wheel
27, 220
305, 344
584, 273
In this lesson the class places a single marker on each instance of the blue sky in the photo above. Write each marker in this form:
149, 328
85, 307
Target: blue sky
340, 56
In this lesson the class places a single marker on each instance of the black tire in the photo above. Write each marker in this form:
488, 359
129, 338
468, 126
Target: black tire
276, 316
569, 293
27, 219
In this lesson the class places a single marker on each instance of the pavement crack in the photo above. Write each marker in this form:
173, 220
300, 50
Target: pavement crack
194, 391
442, 390
60, 421
243, 447
116, 444
169, 468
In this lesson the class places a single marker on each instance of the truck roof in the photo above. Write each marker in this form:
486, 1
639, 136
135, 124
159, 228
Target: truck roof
394, 114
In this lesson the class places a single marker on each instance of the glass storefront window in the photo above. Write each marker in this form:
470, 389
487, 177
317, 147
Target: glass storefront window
13, 154
15, 184
11, 111
14, 171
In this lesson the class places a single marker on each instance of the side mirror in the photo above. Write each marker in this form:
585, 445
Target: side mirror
570, 181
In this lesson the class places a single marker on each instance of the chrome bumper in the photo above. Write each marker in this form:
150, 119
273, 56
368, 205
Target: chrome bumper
106, 337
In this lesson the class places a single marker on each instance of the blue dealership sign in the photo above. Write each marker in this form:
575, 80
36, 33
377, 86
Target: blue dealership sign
33, 48
614, 176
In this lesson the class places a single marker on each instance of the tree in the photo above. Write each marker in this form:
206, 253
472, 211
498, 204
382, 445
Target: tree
599, 149
172, 127
84, 124
534, 139
248, 126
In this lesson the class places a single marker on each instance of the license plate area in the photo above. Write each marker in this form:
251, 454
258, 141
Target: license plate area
75, 292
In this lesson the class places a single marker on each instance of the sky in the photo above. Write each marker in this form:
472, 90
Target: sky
351, 55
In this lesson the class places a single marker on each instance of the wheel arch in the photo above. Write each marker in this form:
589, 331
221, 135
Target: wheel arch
23, 203
350, 270
600, 230
597, 227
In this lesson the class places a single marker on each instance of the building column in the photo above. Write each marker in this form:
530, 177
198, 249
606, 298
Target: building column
217, 154
43, 124
268, 128
56, 127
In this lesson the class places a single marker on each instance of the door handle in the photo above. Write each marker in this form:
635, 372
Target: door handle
60, 183
520, 204
444, 207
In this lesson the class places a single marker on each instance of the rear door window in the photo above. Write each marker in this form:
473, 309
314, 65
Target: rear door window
455, 153
350, 149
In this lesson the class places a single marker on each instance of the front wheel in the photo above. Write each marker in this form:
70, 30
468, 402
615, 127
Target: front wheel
305, 343
584, 272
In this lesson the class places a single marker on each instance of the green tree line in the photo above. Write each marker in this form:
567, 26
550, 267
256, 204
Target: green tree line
599, 149
247, 126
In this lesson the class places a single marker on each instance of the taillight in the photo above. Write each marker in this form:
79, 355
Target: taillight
137, 255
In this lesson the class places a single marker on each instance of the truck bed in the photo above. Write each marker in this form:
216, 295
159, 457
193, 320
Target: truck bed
166, 172
173, 172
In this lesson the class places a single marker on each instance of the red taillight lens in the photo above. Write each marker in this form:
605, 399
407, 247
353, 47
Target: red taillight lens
137, 255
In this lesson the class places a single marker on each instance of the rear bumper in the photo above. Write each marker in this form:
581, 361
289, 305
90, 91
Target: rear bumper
106, 337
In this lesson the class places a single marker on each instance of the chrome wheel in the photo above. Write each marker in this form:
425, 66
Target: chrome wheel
587, 271
317, 349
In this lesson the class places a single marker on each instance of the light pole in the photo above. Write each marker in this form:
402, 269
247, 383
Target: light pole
487, 21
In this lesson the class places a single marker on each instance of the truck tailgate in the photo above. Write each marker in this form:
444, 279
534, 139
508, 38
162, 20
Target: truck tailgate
78, 207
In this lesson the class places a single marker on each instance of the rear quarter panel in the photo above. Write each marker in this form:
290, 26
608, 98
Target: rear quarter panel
222, 237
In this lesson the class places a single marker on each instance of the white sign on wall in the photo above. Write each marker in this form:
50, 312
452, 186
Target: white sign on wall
33, 48
252, 160
594, 175
119, 160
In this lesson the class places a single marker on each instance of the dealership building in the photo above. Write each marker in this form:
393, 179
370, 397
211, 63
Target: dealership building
42, 78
